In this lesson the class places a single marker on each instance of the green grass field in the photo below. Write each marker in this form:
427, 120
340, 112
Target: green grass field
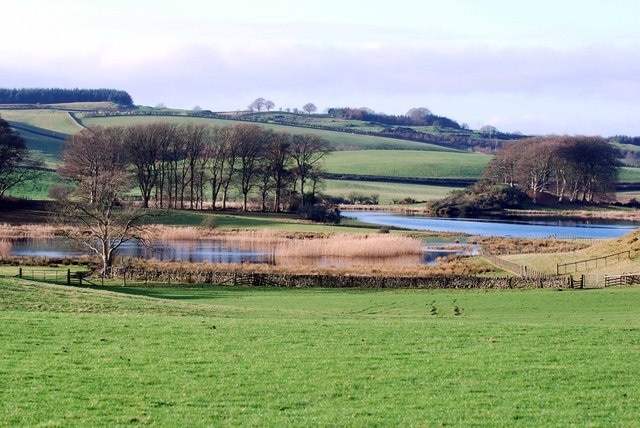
54, 120
279, 357
387, 192
406, 163
36, 190
629, 175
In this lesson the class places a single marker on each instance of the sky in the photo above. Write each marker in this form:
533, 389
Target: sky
536, 67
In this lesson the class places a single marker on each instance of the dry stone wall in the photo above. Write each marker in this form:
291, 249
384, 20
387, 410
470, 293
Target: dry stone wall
181, 276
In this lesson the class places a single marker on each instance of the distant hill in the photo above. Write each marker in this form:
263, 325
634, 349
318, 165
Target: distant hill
59, 96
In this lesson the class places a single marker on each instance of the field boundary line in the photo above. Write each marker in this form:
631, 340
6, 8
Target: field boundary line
564, 267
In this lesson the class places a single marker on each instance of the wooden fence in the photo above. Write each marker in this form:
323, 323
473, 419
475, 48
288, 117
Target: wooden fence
520, 270
591, 263
623, 279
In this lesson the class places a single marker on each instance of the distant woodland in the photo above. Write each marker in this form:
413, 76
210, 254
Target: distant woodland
59, 96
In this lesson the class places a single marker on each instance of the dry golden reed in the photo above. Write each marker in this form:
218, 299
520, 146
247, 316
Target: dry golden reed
345, 246
5, 249
499, 245
28, 231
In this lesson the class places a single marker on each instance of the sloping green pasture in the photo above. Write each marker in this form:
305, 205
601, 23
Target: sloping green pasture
44, 144
278, 357
629, 175
386, 192
49, 119
407, 163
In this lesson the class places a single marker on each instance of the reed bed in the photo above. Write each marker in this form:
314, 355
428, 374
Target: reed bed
28, 231
502, 246
347, 246
5, 249
191, 233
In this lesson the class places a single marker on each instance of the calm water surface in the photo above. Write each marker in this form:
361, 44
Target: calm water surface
535, 228
247, 252
214, 251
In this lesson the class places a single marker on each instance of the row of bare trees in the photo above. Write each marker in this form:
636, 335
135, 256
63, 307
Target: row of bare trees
184, 165
573, 168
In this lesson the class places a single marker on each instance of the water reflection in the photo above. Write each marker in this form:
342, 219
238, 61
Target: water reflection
224, 251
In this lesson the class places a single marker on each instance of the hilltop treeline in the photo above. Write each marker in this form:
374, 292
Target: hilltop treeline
416, 117
58, 96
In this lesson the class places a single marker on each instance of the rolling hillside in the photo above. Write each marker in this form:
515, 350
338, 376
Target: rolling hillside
361, 147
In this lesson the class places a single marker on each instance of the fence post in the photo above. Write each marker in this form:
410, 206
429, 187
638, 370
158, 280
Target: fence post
557, 269
583, 280
20, 273
68, 276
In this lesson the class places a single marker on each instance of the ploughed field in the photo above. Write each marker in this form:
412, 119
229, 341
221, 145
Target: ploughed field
246, 356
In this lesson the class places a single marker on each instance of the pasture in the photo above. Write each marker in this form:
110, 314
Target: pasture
50, 119
386, 192
407, 163
281, 357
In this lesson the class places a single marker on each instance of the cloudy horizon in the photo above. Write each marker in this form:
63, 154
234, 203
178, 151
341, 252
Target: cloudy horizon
535, 67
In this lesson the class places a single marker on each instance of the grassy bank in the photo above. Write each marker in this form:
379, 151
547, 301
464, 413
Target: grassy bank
232, 356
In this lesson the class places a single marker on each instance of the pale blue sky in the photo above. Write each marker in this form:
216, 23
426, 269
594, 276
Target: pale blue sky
530, 66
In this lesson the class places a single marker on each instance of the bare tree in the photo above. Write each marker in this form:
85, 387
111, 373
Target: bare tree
95, 160
216, 163
249, 139
578, 168
419, 115
309, 108
90, 154
147, 148
278, 159
488, 131
268, 104
197, 136
306, 151
257, 104
93, 215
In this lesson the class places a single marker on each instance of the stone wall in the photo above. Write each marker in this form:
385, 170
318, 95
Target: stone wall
180, 276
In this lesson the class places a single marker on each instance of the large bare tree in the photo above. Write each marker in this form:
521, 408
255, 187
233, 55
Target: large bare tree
249, 139
306, 152
90, 154
102, 224
574, 168
91, 209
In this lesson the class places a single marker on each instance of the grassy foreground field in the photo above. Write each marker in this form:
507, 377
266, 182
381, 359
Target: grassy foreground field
280, 357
